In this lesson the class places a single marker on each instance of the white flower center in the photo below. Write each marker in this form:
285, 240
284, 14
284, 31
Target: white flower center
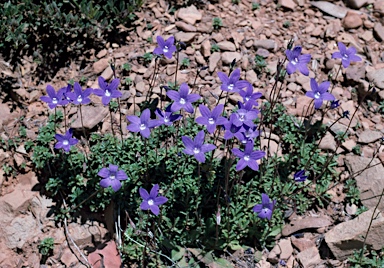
166, 119
246, 157
142, 127
247, 98
165, 49
182, 101
242, 118
230, 87
211, 121
196, 150
79, 99
295, 61
107, 93
54, 101
345, 56
317, 95
150, 202
65, 142
112, 177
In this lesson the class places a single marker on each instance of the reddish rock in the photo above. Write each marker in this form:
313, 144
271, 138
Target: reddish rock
352, 20
347, 237
108, 255
309, 257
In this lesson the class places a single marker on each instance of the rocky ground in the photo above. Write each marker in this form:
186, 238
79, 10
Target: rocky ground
326, 236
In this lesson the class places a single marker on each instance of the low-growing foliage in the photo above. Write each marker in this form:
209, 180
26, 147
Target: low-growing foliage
208, 183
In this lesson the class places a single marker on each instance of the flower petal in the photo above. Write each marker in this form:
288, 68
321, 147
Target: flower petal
160, 200
116, 185
105, 183
155, 209
154, 191
144, 194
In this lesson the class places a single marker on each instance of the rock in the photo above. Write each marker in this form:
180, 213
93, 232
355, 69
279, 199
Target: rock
281, 251
262, 52
378, 31
377, 77
5, 113
91, 117
309, 257
68, 258
328, 143
100, 65
214, 60
290, 4
185, 26
18, 231
228, 57
378, 6
185, 37
189, 15
18, 201
110, 254
352, 20
226, 46
369, 136
303, 107
356, 4
206, 48
251, 76
303, 243
370, 182
307, 222
331, 9
355, 72
348, 236
102, 53
87, 233
268, 44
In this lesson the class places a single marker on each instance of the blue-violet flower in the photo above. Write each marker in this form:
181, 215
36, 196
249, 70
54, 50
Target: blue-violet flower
151, 200
112, 177
319, 92
107, 91
165, 48
182, 99
211, 119
297, 61
347, 55
197, 147
142, 124
248, 157
65, 141
265, 209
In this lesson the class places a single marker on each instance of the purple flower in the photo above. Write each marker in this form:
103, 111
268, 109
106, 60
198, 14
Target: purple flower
167, 117
245, 118
182, 99
347, 55
65, 91
107, 91
248, 157
319, 92
248, 135
232, 83
54, 99
335, 104
300, 176
142, 124
151, 200
265, 209
80, 96
112, 177
231, 127
345, 114
196, 147
297, 61
211, 119
249, 96
65, 141
165, 47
